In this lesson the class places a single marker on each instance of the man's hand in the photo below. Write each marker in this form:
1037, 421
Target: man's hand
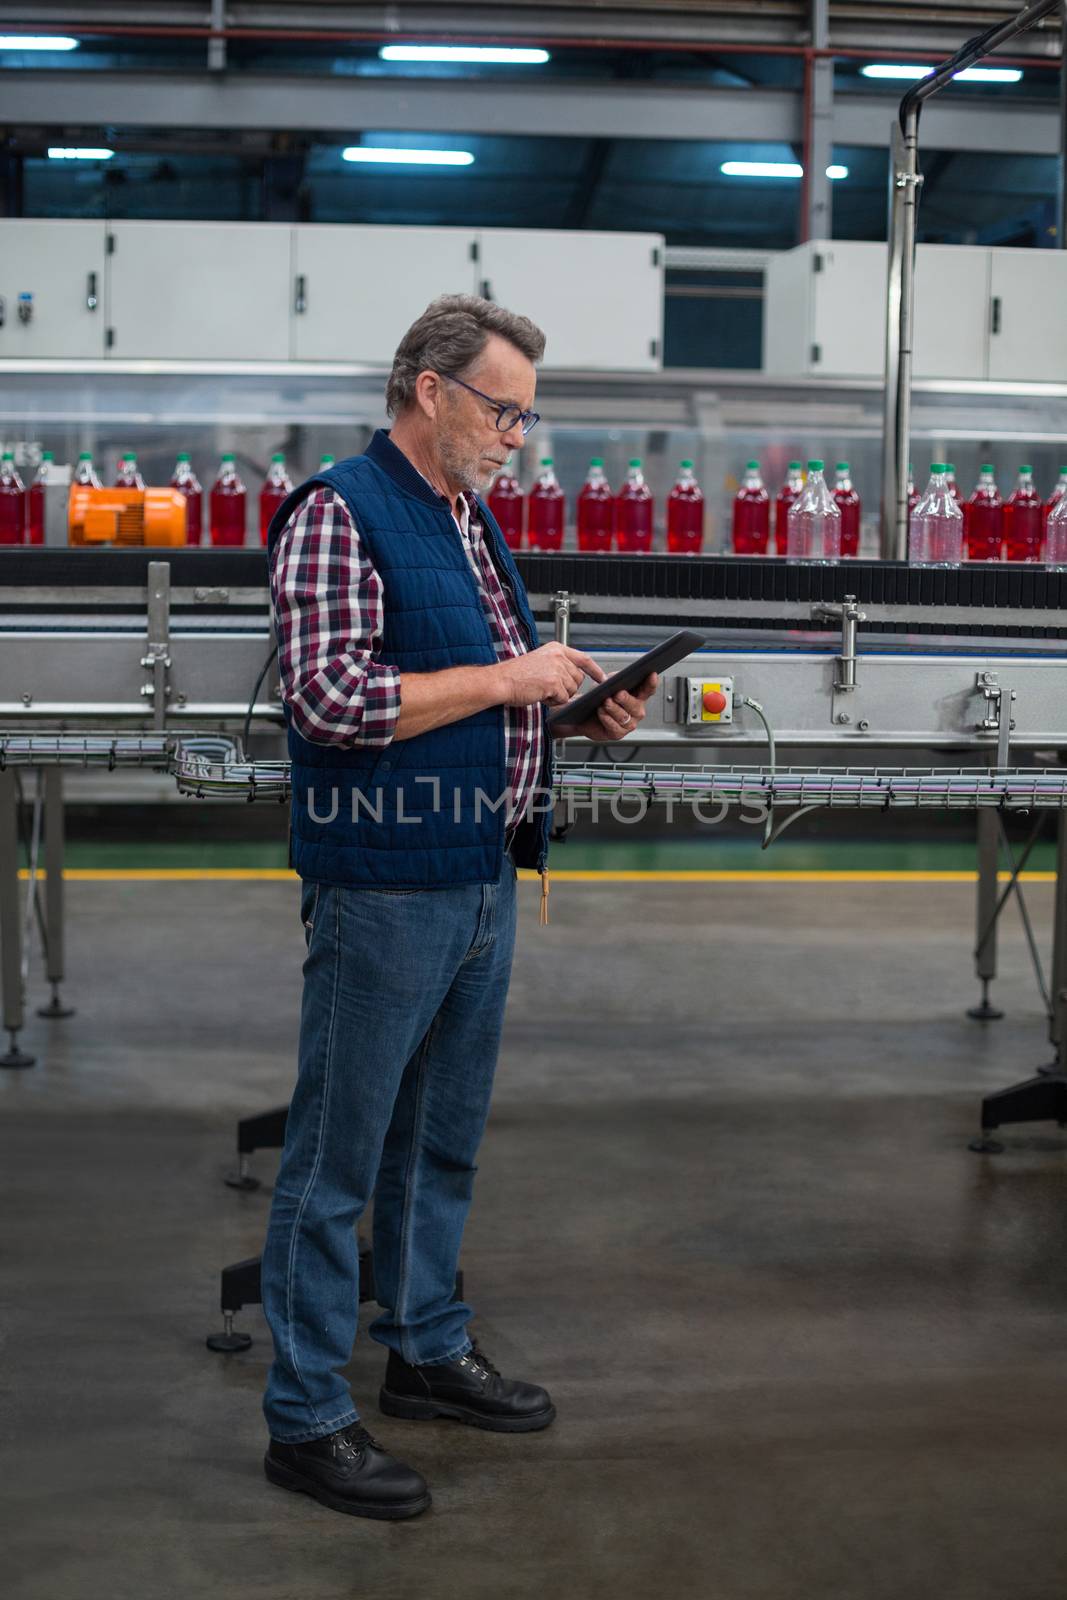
553, 673
618, 716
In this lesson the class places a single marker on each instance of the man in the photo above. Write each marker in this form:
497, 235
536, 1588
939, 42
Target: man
416, 697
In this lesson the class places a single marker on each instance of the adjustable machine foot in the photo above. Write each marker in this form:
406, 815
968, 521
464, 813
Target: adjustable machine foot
1040, 1099
14, 1056
263, 1132
227, 1342
985, 1010
55, 1007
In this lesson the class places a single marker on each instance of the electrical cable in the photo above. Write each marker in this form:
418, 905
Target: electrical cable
248, 714
768, 825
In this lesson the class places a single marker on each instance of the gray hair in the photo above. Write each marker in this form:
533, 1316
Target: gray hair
449, 337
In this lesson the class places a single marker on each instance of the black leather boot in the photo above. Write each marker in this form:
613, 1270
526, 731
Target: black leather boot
348, 1471
470, 1389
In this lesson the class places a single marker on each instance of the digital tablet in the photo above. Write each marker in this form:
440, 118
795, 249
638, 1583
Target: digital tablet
664, 655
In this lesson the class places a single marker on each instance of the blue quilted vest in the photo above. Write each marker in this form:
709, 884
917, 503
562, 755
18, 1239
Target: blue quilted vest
418, 812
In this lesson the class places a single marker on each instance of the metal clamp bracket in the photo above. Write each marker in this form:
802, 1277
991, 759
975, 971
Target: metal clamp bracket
563, 604
156, 659
850, 616
995, 721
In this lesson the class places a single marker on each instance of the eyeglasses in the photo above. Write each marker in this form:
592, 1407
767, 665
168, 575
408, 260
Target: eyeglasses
507, 416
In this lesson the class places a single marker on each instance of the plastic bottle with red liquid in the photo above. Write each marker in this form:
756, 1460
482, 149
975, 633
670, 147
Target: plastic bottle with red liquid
277, 487
1058, 492
12, 502
184, 479
546, 510
85, 472
634, 512
1024, 520
128, 476
953, 486
983, 518
847, 500
685, 514
913, 493
752, 514
506, 501
35, 500
596, 510
790, 491
227, 505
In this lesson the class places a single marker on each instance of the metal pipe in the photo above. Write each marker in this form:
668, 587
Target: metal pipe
1061, 207
905, 182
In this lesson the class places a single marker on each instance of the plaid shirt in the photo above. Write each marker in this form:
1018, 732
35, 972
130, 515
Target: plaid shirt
329, 615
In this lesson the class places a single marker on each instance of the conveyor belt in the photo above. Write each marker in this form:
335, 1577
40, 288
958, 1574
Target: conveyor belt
761, 581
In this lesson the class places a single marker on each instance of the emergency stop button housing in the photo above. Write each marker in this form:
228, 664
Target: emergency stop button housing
701, 696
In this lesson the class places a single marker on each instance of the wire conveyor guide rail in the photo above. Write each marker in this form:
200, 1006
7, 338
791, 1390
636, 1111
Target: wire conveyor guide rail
578, 784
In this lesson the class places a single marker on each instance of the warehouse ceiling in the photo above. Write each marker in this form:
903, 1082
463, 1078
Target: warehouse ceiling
587, 141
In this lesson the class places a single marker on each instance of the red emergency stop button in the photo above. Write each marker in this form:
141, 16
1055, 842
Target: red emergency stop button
714, 701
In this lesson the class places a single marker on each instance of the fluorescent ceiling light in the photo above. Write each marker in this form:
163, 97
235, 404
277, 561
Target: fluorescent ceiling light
989, 75
408, 158
491, 53
773, 169
60, 153
904, 70
762, 169
38, 41
910, 70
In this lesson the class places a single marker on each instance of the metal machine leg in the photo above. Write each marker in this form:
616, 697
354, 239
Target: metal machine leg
1042, 1098
264, 1132
240, 1286
10, 932
53, 861
985, 952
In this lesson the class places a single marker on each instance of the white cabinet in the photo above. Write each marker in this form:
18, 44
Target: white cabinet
356, 290
52, 288
598, 296
1028, 316
824, 311
207, 291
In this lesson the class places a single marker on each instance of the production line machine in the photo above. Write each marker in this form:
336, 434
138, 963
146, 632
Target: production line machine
163, 659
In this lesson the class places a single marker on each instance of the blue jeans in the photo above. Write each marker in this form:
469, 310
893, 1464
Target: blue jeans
403, 1004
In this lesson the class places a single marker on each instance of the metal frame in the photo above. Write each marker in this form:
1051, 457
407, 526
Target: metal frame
906, 181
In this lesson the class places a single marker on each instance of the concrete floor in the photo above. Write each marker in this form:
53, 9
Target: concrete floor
802, 1343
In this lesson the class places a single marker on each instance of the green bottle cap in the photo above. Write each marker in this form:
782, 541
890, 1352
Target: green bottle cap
815, 466
936, 467
546, 461
8, 455
1063, 472
596, 461
687, 464
635, 461
131, 455
228, 455
277, 456
987, 466
47, 455
1028, 470
751, 466
183, 455
950, 468
85, 455
794, 466
842, 466
327, 461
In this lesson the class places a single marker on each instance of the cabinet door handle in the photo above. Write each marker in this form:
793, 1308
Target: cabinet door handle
91, 301
300, 302
486, 289
995, 323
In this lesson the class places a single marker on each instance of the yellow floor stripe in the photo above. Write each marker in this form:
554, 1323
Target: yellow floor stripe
564, 875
